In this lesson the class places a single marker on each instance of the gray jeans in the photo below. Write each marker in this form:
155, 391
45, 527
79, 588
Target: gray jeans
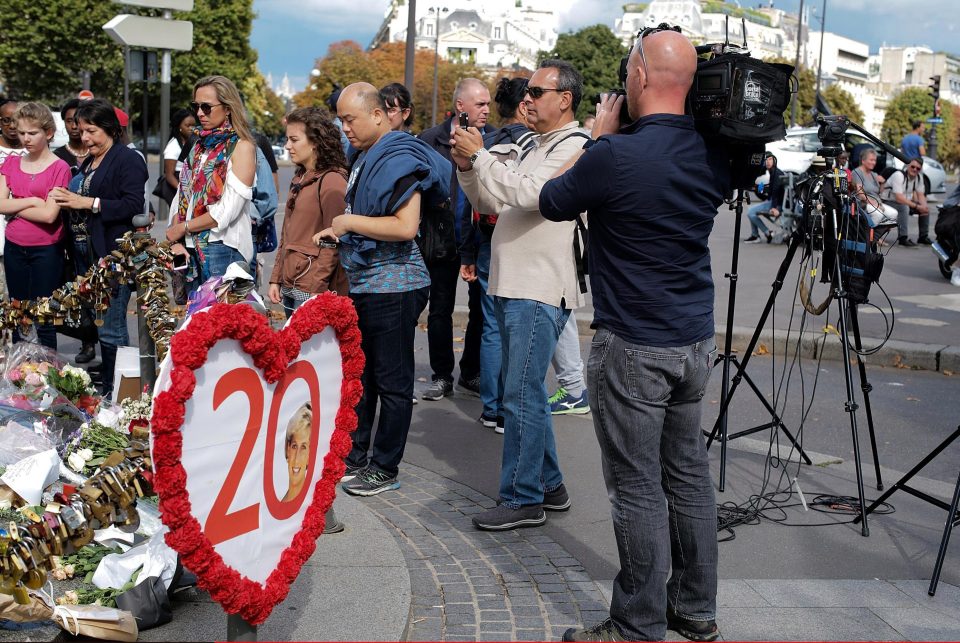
903, 220
646, 405
567, 363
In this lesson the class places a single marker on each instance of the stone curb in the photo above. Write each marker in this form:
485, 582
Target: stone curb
896, 353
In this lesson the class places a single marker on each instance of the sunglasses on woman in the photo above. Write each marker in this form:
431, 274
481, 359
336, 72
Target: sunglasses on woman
639, 43
206, 108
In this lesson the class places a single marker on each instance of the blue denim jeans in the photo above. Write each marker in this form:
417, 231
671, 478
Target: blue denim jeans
756, 223
113, 334
490, 391
217, 257
528, 331
33, 272
388, 325
646, 404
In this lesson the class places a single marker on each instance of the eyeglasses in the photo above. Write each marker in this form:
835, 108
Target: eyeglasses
640, 36
6, 120
538, 92
914, 167
206, 108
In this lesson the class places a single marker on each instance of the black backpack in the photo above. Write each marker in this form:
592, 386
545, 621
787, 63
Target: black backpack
437, 237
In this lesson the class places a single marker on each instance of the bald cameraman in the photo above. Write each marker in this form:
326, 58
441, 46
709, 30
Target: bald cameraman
651, 196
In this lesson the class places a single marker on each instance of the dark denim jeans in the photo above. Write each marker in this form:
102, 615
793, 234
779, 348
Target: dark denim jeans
388, 324
528, 332
490, 391
33, 272
646, 404
443, 293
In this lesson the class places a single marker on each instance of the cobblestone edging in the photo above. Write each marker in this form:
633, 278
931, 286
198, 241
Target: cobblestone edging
469, 585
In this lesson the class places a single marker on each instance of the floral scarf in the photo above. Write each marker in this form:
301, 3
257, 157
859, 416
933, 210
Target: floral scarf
203, 185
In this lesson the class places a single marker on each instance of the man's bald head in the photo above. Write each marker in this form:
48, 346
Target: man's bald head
660, 80
473, 97
363, 95
363, 115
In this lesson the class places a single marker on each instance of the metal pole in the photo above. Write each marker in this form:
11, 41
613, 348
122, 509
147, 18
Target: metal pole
164, 117
411, 42
239, 630
796, 66
436, 64
148, 352
146, 86
126, 79
823, 27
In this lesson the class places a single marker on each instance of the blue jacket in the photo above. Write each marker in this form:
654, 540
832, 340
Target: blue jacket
118, 182
395, 156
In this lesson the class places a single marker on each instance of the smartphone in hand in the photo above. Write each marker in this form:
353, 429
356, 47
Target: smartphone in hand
179, 262
464, 120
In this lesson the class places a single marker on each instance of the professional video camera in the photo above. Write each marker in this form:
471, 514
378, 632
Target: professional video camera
833, 222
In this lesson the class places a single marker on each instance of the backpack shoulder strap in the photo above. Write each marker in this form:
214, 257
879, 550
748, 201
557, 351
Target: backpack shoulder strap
568, 136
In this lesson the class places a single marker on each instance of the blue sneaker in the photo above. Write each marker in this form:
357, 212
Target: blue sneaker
562, 403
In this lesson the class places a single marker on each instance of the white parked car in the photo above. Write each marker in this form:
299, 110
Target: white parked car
795, 153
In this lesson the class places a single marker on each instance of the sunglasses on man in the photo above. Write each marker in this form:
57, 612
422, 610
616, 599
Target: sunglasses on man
206, 108
639, 43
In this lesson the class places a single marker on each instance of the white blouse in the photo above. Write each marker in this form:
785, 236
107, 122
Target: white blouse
232, 213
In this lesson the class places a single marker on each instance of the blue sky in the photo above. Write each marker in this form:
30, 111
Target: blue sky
290, 34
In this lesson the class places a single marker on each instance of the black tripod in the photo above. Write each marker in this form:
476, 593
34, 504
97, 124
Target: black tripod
728, 357
951, 509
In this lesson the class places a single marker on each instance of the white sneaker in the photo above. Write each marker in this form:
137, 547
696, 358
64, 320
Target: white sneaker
955, 279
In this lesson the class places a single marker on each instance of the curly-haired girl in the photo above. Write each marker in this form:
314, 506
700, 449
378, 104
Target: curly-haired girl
317, 192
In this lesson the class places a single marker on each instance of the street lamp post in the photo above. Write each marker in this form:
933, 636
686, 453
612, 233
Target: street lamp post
796, 65
823, 28
436, 62
411, 43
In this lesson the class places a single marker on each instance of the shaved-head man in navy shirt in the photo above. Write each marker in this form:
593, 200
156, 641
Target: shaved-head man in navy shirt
651, 193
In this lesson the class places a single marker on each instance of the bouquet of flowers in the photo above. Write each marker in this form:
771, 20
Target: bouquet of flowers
136, 412
87, 447
75, 385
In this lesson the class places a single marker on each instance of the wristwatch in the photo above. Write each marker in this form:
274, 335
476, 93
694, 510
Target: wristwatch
474, 157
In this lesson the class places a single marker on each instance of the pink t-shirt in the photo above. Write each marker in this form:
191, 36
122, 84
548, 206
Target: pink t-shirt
22, 185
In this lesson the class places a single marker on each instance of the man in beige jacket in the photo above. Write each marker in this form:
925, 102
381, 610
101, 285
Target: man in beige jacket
534, 284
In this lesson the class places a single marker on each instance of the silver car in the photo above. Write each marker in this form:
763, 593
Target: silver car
795, 153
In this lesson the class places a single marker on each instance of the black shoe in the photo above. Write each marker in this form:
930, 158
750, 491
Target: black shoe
488, 422
556, 500
925, 241
351, 472
605, 631
769, 236
691, 629
370, 482
440, 389
752, 239
469, 386
502, 518
906, 243
86, 354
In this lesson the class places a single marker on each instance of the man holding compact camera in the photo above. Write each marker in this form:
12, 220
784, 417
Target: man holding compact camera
471, 102
651, 193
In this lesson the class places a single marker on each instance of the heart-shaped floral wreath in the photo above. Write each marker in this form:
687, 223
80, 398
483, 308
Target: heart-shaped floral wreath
272, 351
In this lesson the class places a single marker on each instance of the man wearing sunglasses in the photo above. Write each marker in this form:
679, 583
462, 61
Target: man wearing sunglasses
651, 193
904, 191
533, 281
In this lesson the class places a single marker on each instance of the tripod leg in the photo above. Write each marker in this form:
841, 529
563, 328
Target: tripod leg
866, 387
726, 356
851, 405
795, 242
942, 553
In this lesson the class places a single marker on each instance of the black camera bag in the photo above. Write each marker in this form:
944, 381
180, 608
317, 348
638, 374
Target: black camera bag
741, 99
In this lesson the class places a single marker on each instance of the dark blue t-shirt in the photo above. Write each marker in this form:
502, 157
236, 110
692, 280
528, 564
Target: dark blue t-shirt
651, 194
910, 145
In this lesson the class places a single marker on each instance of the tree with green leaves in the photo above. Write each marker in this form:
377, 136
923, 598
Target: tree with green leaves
595, 52
46, 46
915, 104
837, 98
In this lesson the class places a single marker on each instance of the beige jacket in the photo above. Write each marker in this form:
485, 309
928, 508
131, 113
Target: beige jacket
531, 258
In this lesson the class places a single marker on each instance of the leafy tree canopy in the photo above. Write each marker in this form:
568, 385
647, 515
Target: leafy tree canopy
914, 103
346, 62
595, 52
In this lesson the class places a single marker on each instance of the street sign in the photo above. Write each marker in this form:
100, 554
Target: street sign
85, 94
176, 5
935, 121
151, 33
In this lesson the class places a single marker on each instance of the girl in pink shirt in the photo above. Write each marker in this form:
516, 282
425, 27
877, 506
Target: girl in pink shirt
33, 256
